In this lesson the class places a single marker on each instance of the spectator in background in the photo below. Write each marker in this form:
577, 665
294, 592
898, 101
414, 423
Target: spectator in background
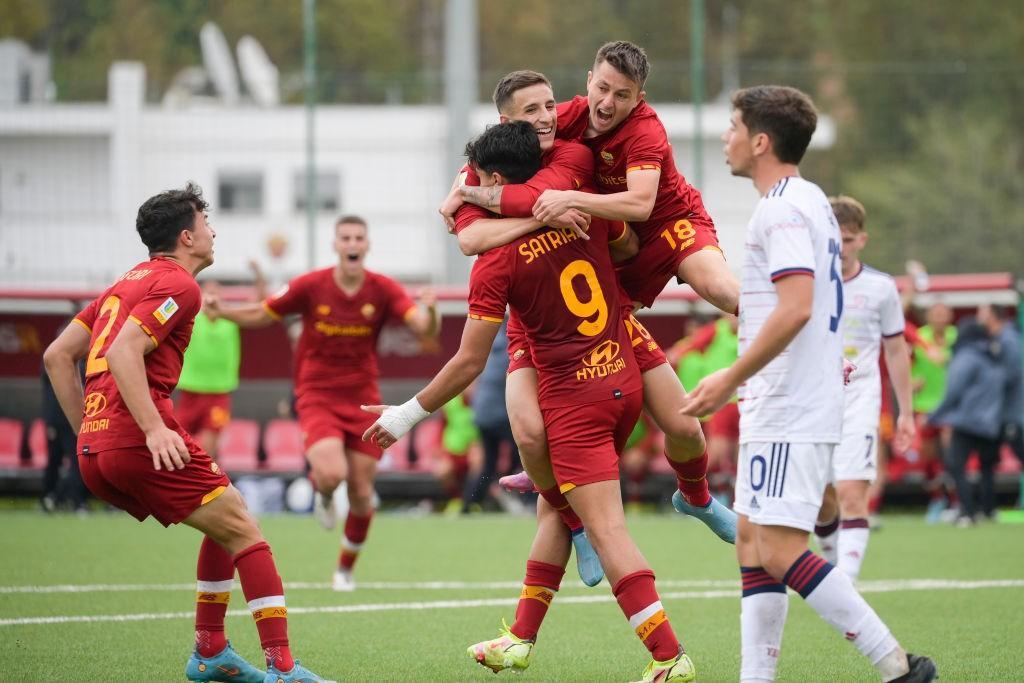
460, 452
208, 375
491, 418
61, 444
973, 407
928, 375
716, 345
999, 322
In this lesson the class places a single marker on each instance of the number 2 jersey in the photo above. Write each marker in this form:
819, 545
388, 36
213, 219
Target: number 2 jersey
566, 294
798, 396
162, 298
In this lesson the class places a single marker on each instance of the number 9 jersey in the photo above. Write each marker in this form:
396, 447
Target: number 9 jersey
798, 396
162, 298
566, 293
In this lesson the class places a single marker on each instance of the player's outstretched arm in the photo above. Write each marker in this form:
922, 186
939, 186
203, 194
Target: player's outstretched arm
633, 204
61, 360
248, 315
795, 300
490, 233
457, 374
126, 361
897, 359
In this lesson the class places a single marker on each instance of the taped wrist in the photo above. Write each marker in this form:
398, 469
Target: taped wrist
398, 420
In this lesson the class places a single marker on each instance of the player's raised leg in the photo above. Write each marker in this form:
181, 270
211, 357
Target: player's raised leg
528, 429
362, 472
545, 568
226, 522
686, 452
327, 470
709, 275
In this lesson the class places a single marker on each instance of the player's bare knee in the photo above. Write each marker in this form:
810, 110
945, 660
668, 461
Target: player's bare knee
686, 441
327, 479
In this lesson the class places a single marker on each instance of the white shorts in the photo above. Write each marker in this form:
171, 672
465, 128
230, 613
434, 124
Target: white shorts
781, 484
856, 456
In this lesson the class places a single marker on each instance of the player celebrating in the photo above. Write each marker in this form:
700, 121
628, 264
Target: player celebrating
564, 290
790, 378
343, 310
872, 316
527, 96
135, 456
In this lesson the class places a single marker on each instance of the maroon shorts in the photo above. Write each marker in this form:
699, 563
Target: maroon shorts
669, 244
125, 478
323, 415
585, 441
199, 412
645, 349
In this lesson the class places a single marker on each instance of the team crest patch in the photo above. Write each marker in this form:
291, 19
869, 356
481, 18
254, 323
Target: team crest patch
368, 310
518, 354
215, 468
607, 157
167, 309
323, 309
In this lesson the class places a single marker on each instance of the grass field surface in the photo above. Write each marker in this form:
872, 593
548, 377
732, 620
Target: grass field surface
104, 598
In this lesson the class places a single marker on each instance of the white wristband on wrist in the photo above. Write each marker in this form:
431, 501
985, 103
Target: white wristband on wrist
398, 420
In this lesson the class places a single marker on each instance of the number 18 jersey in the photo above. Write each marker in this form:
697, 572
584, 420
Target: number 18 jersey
566, 294
798, 396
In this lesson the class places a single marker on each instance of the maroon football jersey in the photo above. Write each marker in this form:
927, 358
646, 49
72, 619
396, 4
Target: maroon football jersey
162, 298
338, 346
638, 143
565, 292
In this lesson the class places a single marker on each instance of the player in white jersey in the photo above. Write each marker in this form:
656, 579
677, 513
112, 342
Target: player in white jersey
790, 378
872, 320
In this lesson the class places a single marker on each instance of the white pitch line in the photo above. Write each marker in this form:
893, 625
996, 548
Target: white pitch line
866, 587
378, 585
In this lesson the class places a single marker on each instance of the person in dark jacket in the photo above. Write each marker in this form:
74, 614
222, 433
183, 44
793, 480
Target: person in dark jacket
973, 408
1002, 326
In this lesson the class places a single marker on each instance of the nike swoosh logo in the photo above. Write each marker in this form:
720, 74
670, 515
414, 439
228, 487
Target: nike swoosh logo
233, 671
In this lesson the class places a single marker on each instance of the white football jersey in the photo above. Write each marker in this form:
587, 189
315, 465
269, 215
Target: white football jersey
798, 396
871, 311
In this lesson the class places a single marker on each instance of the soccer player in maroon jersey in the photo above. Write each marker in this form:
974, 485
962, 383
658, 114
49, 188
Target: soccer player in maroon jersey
343, 309
565, 292
527, 95
134, 455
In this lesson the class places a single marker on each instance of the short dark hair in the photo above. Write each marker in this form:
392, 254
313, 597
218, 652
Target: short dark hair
511, 149
849, 212
786, 115
513, 82
352, 218
161, 218
628, 59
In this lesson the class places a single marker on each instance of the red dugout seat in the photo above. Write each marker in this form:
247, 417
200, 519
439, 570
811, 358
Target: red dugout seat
37, 444
283, 444
11, 434
238, 446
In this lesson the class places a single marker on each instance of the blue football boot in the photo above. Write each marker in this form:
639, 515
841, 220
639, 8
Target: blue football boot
227, 666
587, 562
298, 674
719, 518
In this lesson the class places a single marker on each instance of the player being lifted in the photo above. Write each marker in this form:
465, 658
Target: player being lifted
343, 309
790, 378
564, 290
638, 142
872, 317
135, 456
